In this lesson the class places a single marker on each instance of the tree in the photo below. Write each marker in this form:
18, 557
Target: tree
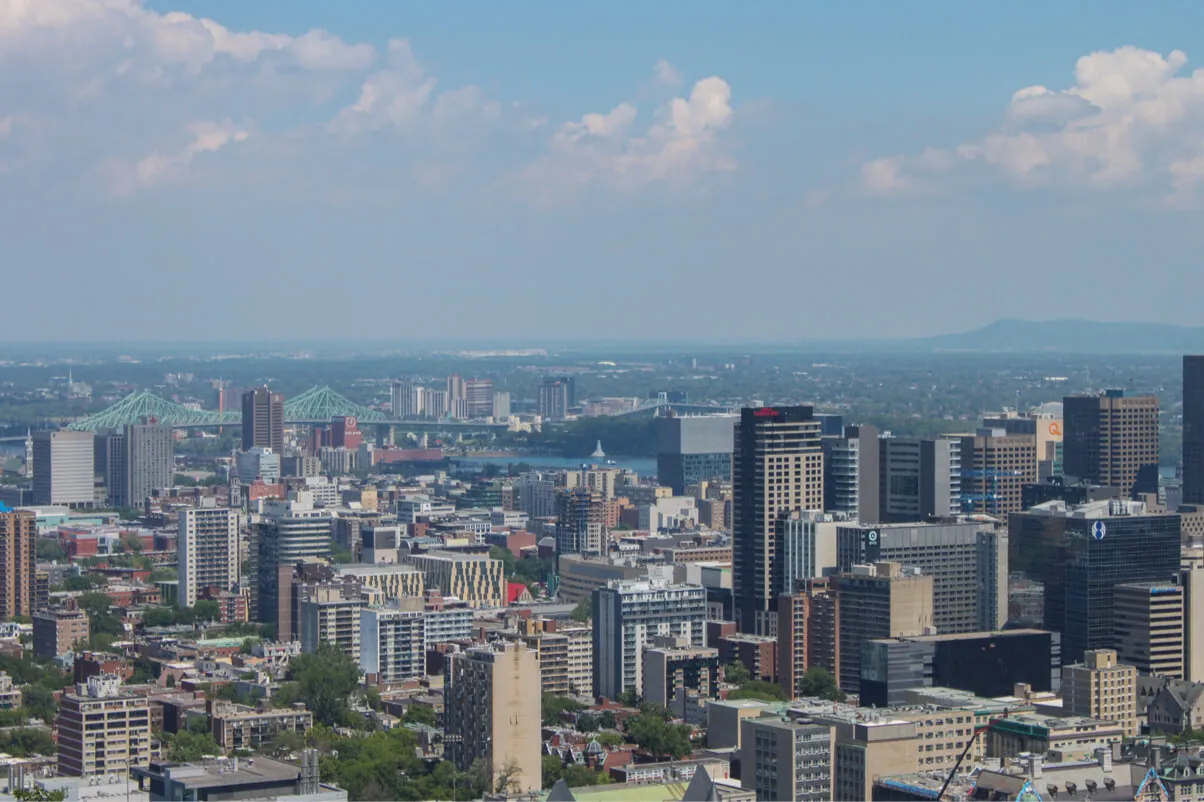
25, 742
326, 678
85, 582
39, 702
38, 795
101, 621
817, 681
759, 689
584, 610
188, 747
606, 720
506, 557
506, 781
587, 722
552, 706
552, 770
420, 714
50, 549
207, 610
609, 739
159, 617
654, 733
285, 743
736, 673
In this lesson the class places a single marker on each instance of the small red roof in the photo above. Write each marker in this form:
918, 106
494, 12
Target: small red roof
514, 590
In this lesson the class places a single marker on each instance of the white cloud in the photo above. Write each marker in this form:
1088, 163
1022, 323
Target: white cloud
882, 176
160, 167
1130, 119
137, 80
393, 96
682, 143
667, 74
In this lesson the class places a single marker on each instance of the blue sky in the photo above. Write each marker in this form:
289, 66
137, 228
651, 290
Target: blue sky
752, 171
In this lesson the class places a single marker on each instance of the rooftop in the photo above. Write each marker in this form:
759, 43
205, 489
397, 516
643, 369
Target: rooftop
224, 772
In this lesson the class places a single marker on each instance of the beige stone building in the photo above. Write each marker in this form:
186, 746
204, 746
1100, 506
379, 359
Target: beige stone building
473, 578
1148, 627
882, 600
492, 712
102, 730
1101, 687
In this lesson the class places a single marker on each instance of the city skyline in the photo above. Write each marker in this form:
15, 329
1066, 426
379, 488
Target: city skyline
472, 158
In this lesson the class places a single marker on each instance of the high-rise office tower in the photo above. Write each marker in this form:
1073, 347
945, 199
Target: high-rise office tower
64, 466
1148, 627
777, 469
580, 521
1044, 424
1193, 430
501, 406
456, 387
1101, 687
879, 601
555, 397
263, 420
693, 449
995, 468
207, 551
920, 479
806, 547
627, 615
149, 463
435, 403
968, 563
1112, 439
290, 531
406, 399
808, 634
18, 564
110, 454
851, 473
492, 712
478, 393
1080, 554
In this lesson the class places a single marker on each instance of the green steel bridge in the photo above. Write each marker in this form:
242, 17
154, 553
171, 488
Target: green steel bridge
315, 406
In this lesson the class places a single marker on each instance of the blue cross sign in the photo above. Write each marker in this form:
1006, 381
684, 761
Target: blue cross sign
1098, 530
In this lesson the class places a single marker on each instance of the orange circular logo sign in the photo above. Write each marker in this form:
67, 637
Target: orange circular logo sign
1055, 429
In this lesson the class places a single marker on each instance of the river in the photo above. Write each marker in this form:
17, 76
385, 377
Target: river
644, 466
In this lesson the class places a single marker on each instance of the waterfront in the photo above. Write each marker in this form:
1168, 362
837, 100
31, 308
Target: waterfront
644, 466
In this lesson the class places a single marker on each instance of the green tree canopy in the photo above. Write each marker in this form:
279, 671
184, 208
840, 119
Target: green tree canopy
552, 706
819, 682
655, 734
736, 673
584, 610
326, 678
758, 689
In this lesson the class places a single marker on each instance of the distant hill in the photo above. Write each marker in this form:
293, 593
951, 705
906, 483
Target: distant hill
1076, 336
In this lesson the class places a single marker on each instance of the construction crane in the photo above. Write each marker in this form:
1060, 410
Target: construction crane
969, 744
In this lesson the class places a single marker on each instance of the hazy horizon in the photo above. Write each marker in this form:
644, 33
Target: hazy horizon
228, 172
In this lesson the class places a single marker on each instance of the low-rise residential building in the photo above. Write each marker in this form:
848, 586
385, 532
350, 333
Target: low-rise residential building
102, 730
238, 726
10, 697
57, 632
